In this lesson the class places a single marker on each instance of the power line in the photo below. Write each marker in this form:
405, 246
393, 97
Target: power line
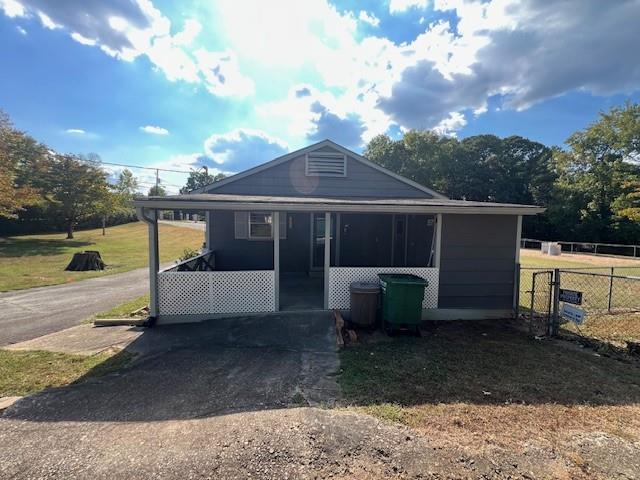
137, 166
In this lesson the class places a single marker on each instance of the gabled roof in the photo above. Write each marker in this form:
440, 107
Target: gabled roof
325, 143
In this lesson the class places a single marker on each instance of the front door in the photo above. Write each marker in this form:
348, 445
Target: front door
399, 240
317, 239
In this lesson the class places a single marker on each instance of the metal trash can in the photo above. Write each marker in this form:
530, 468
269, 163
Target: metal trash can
402, 296
364, 303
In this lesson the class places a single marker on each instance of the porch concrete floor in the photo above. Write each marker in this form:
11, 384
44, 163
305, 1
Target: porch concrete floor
301, 292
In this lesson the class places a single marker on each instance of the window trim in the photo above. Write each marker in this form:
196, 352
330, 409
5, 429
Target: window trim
328, 155
259, 238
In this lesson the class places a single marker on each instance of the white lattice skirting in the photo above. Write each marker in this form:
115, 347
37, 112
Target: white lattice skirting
189, 293
341, 277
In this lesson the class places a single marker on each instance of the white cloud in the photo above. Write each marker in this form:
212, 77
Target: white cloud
398, 6
21, 30
154, 130
222, 74
369, 18
83, 40
12, 8
76, 131
521, 52
128, 29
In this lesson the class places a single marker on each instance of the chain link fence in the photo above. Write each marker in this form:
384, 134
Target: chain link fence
608, 305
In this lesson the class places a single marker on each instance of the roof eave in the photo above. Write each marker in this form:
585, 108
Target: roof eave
160, 203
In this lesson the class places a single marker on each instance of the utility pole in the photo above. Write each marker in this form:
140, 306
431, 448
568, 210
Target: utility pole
157, 180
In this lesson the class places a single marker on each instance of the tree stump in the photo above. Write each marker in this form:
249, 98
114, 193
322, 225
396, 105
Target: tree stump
83, 261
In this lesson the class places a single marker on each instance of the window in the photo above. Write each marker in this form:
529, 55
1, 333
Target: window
323, 164
260, 225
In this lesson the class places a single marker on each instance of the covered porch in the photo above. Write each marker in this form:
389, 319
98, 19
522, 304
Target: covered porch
311, 250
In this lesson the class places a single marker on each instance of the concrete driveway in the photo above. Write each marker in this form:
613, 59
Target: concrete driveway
26, 314
223, 399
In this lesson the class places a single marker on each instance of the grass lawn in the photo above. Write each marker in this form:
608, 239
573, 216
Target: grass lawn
37, 260
22, 373
125, 309
483, 386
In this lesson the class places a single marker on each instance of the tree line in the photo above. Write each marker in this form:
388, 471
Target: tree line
591, 188
42, 190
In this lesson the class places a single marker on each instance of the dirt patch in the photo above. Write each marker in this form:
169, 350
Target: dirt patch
516, 406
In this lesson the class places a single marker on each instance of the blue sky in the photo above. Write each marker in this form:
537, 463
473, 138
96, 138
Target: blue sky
233, 83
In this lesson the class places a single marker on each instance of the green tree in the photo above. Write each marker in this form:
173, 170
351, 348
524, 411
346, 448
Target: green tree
600, 169
200, 178
157, 191
22, 161
126, 185
75, 189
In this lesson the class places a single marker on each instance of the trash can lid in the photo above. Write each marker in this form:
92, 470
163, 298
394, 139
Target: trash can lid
401, 278
364, 287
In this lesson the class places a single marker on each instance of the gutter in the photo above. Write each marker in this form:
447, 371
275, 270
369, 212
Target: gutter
153, 279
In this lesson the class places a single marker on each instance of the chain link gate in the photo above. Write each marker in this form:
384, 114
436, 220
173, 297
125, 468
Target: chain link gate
541, 303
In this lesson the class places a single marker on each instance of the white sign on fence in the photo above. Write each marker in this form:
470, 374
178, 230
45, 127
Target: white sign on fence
575, 314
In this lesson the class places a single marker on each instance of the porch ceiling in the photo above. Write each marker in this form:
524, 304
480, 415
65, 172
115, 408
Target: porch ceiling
207, 201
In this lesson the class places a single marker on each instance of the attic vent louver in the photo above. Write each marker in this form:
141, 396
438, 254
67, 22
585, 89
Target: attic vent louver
326, 164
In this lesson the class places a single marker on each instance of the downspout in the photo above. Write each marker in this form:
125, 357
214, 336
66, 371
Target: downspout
152, 223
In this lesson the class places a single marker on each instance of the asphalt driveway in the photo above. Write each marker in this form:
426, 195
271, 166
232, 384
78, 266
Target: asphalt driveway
237, 398
31, 313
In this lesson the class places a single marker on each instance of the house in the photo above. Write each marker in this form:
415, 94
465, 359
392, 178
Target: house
293, 233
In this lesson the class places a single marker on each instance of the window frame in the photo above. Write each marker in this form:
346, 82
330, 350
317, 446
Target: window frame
260, 237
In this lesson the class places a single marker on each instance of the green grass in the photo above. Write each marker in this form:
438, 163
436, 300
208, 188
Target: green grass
37, 260
23, 373
125, 309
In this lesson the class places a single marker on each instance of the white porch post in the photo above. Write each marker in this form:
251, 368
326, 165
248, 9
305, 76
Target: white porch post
150, 217
327, 257
438, 248
275, 228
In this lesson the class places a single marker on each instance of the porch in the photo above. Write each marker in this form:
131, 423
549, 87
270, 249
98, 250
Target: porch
271, 254
310, 271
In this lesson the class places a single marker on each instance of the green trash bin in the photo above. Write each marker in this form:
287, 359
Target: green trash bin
402, 296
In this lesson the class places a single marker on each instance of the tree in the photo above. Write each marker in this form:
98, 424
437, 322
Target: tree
22, 160
158, 191
127, 185
199, 178
601, 168
76, 189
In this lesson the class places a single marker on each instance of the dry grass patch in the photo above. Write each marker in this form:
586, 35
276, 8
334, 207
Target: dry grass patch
482, 386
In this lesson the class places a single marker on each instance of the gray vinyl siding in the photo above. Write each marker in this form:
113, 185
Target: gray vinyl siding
289, 179
232, 254
477, 263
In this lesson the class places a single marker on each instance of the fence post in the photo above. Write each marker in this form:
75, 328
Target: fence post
516, 291
610, 289
533, 293
555, 292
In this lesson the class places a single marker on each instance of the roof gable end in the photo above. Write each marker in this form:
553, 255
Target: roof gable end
323, 146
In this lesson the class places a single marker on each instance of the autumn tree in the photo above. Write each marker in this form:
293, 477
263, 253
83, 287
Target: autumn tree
22, 161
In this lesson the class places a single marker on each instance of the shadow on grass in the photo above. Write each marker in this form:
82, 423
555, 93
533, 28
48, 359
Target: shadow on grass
16, 247
483, 363
255, 363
